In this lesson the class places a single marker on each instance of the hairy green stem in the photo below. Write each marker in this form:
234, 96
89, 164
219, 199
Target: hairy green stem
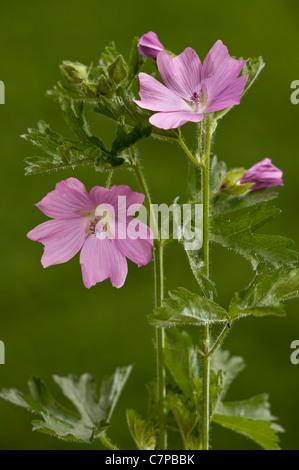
188, 153
105, 441
199, 148
109, 179
159, 295
206, 257
220, 340
160, 340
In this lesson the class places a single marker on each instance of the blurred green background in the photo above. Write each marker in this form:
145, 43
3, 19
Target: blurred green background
49, 322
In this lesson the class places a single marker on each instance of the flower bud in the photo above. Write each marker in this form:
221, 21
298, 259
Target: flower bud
149, 45
74, 72
264, 175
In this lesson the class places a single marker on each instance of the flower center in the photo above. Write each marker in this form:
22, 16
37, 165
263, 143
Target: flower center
196, 100
98, 225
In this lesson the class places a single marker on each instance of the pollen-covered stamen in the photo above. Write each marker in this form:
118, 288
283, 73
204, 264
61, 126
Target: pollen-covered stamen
96, 226
196, 100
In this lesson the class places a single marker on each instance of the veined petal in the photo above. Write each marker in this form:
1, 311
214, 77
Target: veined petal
230, 96
110, 196
174, 120
157, 97
219, 71
149, 45
181, 74
135, 241
69, 199
62, 239
102, 259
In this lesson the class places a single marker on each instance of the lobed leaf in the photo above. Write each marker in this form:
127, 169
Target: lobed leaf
239, 235
142, 431
184, 308
266, 293
93, 411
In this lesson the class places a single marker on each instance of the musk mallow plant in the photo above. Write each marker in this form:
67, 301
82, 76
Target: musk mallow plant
194, 373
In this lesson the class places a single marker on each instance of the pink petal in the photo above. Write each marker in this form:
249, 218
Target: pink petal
229, 97
181, 74
110, 196
156, 97
174, 120
102, 259
149, 45
69, 199
139, 251
219, 71
62, 239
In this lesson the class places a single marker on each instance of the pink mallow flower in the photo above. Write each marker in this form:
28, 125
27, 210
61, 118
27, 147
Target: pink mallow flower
149, 45
192, 89
264, 174
100, 224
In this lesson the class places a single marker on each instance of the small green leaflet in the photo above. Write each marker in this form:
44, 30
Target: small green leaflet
266, 293
186, 419
263, 433
184, 308
229, 204
93, 411
252, 417
207, 287
239, 235
142, 431
181, 359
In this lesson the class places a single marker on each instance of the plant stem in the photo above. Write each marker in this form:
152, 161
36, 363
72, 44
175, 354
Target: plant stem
206, 257
109, 179
160, 339
199, 148
188, 153
219, 340
159, 295
105, 441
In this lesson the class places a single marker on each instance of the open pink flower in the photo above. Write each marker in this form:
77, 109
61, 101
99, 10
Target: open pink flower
264, 174
192, 89
101, 224
149, 45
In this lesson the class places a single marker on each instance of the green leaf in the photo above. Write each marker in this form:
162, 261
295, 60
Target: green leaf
230, 366
142, 431
126, 139
261, 432
136, 60
112, 388
187, 421
109, 55
266, 293
118, 70
252, 68
218, 174
208, 287
181, 359
239, 235
61, 153
184, 308
256, 408
93, 412
216, 388
229, 204
54, 427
